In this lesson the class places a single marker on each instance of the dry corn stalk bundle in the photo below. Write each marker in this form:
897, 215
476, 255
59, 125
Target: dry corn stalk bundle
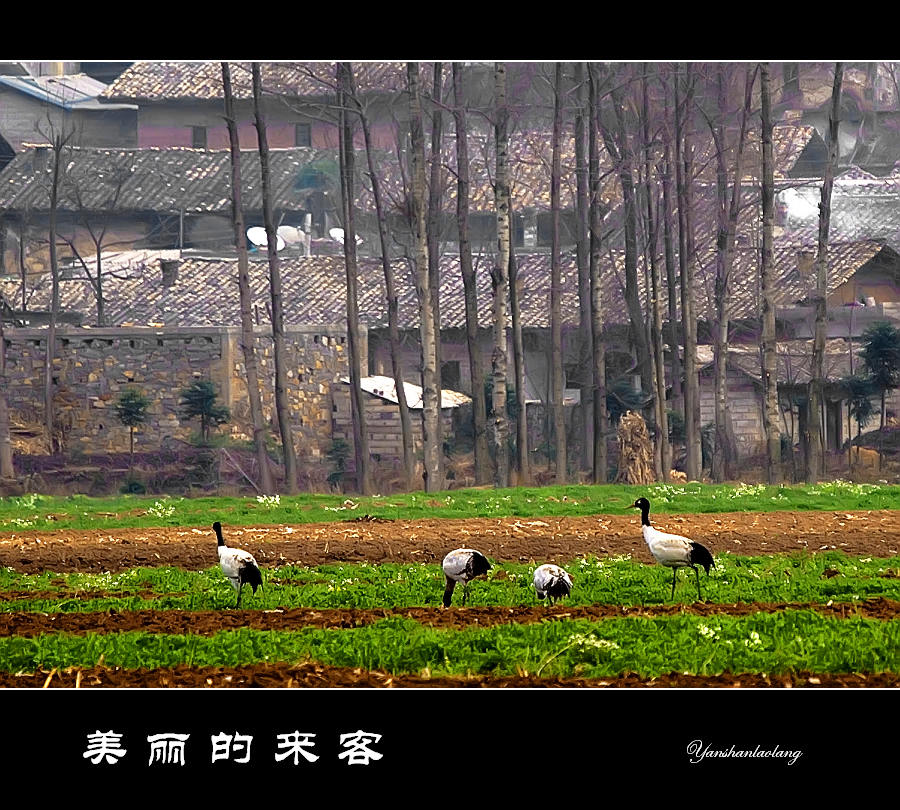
635, 451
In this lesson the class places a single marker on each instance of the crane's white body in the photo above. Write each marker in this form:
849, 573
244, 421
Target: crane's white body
462, 565
239, 566
233, 562
671, 550
552, 582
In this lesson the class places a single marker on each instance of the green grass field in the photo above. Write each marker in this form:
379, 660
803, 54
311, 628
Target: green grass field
763, 641
35, 511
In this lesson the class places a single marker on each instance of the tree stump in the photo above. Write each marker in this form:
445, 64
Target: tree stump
635, 451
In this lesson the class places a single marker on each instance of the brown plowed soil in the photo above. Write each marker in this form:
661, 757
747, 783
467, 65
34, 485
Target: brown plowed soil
529, 540
556, 539
306, 675
208, 622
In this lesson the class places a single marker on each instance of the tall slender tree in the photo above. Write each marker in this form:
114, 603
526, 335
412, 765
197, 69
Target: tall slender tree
724, 452
476, 363
598, 345
815, 461
515, 312
281, 401
393, 301
687, 258
556, 350
662, 453
582, 260
618, 145
665, 174
433, 230
500, 277
766, 268
430, 404
6, 457
59, 140
347, 162
248, 339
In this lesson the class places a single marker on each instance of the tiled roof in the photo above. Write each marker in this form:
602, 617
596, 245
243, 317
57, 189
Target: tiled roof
199, 180
202, 81
793, 360
386, 388
314, 291
156, 179
530, 153
863, 206
72, 92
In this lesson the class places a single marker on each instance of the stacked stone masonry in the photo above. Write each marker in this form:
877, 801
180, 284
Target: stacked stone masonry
92, 367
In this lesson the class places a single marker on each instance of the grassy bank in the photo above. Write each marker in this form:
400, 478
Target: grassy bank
42, 512
798, 577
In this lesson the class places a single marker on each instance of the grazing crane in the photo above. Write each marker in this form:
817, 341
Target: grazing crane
462, 565
238, 565
552, 581
673, 550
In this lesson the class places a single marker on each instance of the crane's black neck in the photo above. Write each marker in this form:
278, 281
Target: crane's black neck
645, 515
217, 528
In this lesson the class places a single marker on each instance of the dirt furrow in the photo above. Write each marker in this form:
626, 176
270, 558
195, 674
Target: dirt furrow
207, 623
511, 539
311, 675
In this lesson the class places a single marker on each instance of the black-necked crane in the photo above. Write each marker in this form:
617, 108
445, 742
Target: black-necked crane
673, 550
552, 582
238, 565
462, 565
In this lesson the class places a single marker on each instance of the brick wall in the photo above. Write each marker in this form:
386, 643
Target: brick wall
93, 367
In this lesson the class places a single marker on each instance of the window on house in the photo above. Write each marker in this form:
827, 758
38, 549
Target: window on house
198, 137
450, 378
302, 135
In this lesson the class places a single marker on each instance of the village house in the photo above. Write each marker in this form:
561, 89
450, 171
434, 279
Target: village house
35, 109
173, 195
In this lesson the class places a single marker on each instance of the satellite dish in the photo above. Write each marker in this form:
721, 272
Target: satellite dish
338, 235
258, 237
291, 235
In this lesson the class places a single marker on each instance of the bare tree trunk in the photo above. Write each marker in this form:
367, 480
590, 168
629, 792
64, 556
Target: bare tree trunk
281, 402
98, 286
664, 450
766, 269
620, 151
499, 278
556, 363
346, 160
582, 258
669, 243
600, 415
409, 451
6, 458
433, 230
248, 340
815, 466
725, 449
431, 413
519, 369
59, 141
686, 258
476, 364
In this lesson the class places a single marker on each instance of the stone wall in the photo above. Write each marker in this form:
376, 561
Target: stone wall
744, 410
94, 366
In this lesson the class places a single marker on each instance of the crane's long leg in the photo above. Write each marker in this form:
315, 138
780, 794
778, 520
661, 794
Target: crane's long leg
465, 592
698, 583
240, 588
674, 572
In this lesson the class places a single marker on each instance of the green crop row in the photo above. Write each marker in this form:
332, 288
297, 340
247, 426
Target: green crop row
767, 643
798, 578
34, 511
